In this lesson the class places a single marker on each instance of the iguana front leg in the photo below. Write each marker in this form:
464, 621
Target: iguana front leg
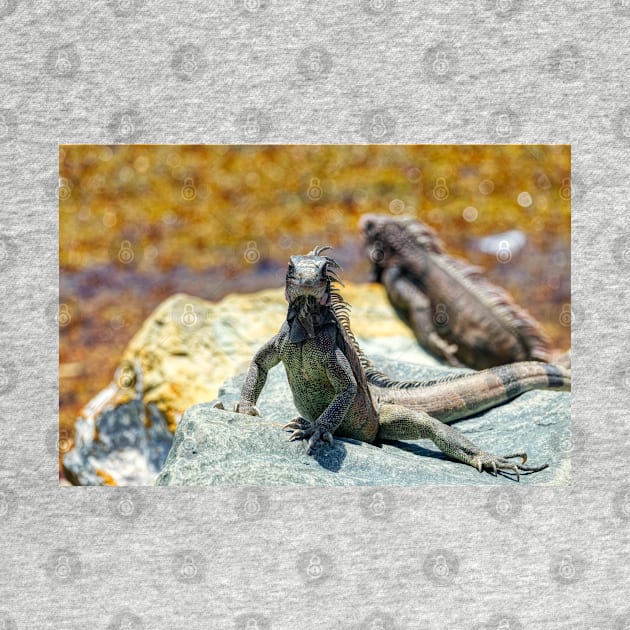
408, 297
401, 423
266, 357
339, 374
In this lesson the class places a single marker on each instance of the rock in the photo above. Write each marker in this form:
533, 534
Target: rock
180, 357
215, 447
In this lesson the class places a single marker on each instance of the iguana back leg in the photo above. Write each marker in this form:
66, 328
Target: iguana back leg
401, 423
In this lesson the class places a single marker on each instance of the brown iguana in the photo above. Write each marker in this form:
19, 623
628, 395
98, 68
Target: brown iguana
454, 312
337, 390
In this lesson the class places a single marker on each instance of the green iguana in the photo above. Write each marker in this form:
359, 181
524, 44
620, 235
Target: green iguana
454, 312
337, 390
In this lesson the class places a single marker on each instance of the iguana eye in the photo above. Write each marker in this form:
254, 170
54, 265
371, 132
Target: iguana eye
291, 269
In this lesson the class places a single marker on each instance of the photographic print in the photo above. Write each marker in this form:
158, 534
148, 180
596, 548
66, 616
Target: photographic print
315, 315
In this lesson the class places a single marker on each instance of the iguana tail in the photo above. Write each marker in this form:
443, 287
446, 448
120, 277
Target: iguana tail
470, 393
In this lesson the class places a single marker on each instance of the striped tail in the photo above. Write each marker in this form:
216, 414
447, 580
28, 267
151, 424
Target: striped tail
468, 394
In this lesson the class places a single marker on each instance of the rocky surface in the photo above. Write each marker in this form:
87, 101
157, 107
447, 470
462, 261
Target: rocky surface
215, 447
180, 357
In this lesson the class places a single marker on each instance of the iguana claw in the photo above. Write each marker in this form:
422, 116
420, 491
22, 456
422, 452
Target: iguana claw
305, 429
496, 463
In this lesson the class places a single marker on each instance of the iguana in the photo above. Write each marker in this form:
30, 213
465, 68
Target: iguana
455, 313
337, 390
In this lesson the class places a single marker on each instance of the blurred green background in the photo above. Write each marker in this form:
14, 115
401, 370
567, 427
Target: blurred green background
139, 223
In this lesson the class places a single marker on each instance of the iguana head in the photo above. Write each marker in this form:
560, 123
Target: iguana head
309, 276
309, 291
395, 240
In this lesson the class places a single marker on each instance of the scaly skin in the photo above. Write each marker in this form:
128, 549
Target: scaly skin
337, 391
455, 313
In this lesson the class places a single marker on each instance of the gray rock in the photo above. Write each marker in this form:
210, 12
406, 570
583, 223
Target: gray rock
215, 447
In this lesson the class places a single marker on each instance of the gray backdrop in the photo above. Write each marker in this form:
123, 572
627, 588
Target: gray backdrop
317, 72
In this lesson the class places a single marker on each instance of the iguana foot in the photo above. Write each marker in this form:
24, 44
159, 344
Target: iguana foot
495, 463
238, 408
302, 429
